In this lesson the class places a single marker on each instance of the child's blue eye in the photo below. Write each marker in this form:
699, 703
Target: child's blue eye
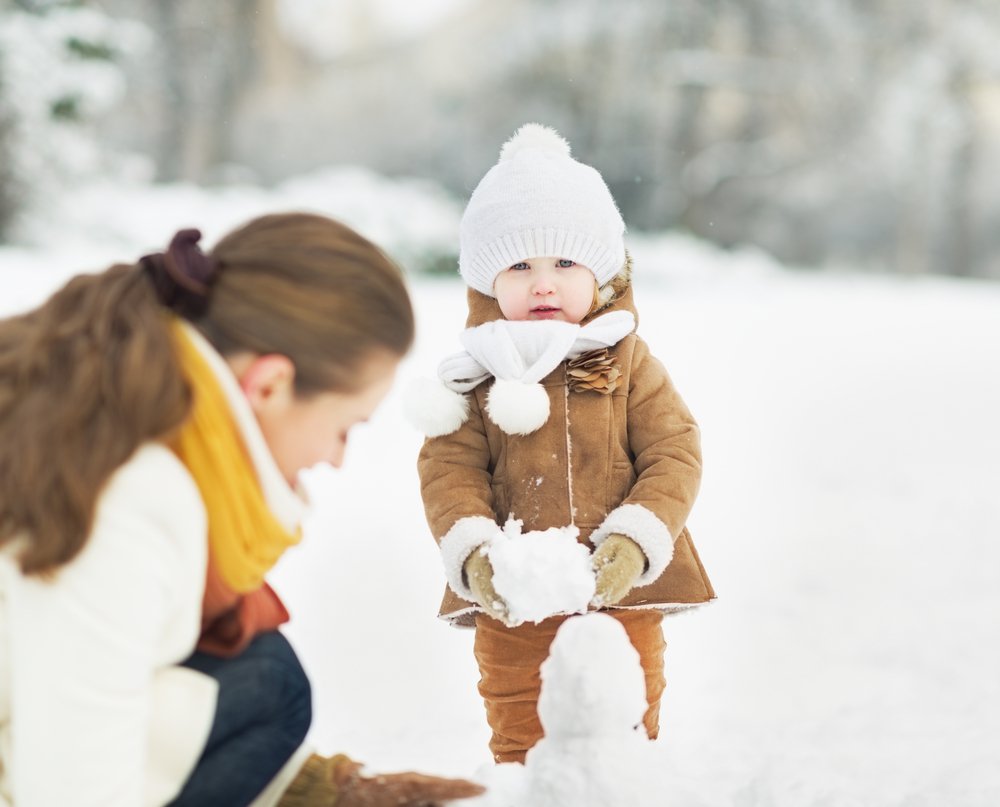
564, 263
520, 266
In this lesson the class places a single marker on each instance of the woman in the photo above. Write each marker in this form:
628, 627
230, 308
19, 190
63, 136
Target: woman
153, 420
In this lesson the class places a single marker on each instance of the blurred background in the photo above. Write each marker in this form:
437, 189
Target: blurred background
848, 515
860, 133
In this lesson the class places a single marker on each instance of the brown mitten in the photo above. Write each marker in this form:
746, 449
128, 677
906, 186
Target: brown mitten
618, 562
337, 782
396, 789
479, 576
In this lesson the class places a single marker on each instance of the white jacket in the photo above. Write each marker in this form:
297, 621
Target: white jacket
94, 711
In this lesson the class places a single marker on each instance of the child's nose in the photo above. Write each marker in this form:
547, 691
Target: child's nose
542, 283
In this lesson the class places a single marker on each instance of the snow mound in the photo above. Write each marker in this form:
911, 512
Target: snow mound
595, 752
541, 573
597, 687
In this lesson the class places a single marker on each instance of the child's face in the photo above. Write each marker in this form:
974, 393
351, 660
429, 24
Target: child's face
545, 288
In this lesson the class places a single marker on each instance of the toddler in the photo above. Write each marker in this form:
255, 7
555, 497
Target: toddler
556, 414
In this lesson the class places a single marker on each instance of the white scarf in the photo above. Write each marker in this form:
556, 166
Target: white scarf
518, 355
527, 351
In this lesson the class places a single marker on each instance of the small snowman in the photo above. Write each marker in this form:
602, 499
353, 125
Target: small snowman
595, 752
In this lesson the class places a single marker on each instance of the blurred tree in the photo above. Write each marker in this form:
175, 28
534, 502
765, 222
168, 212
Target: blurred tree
58, 75
189, 88
863, 132
8, 178
838, 130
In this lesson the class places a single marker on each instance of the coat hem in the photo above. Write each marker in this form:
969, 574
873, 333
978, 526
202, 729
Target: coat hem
461, 618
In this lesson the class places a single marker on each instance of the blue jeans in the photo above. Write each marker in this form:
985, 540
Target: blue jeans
263, 714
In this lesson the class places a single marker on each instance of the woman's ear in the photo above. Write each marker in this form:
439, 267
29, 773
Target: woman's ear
268, 383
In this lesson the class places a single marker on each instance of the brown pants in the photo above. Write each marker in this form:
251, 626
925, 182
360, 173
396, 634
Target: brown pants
509, 661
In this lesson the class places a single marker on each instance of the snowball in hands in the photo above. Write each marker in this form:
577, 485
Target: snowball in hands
541, 573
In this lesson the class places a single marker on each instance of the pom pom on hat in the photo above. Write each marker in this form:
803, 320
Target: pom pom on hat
517, 407
538, 201
535, 136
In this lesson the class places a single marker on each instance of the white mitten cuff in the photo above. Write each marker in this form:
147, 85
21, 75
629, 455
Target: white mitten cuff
465, 536
646, 529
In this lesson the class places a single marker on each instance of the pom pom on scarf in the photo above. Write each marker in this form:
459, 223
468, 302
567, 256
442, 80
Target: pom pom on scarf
516, 407
433, 408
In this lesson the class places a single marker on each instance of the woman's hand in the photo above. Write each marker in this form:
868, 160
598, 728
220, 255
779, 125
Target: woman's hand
395, 789
618, 562
479, 577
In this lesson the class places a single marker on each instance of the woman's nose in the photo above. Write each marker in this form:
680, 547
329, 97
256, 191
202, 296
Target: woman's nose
336, 456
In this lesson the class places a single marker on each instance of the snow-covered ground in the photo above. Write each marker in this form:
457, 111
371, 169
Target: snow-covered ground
849, 519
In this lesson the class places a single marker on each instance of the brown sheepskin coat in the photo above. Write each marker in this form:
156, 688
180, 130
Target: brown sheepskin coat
639, 445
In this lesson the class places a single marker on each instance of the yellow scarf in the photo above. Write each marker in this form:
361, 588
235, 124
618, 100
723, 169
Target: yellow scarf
244, 537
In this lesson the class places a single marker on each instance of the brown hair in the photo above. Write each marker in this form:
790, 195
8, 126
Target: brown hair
91, 374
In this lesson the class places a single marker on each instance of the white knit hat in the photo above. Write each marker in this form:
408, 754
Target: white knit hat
538, 201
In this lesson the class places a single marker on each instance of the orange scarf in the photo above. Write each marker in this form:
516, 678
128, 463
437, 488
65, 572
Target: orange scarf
244, 537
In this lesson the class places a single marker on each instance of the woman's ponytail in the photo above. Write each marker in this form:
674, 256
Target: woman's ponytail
85, 379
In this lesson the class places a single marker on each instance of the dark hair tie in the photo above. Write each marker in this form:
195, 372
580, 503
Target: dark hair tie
183, 275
